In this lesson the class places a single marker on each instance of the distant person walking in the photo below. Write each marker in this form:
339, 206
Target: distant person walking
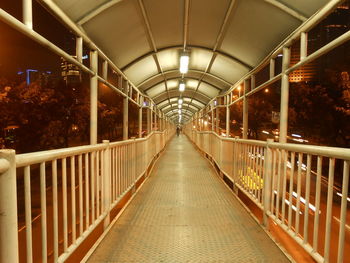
178, 131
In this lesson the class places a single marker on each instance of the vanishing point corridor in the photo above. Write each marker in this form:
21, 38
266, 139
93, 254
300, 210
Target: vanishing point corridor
185, 213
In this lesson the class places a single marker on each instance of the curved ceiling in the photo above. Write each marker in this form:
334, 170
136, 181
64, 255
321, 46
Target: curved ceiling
225, 40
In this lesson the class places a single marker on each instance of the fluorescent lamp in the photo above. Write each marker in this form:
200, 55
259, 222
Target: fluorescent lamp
182, 86
180, 101
184, 60
179, 106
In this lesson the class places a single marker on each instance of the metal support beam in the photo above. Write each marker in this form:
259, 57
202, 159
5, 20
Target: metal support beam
217, 120
303, 45
252, 82
105, 70
27, 10
93, 97
272, 67
284, 96
79, 49
287, 10
8, 207
149, 121
140, 122
245, 111
228, 121
125, 86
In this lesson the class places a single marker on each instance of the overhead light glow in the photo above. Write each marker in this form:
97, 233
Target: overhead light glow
179, 112
182, 86
180, 101
179, 106
184, 61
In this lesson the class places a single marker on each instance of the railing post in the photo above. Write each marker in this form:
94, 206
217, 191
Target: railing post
106, 183
93, 97
125, 109
8, 207
267, 182
235, 157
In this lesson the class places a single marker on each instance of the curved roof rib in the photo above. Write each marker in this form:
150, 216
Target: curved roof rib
189, 71
189, 47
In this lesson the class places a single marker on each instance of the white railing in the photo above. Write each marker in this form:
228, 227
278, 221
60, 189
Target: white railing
294, 185
65, 194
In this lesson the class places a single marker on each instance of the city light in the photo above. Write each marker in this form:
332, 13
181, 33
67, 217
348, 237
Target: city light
266, 132
266, 90
182, 86
184, 61
296, 135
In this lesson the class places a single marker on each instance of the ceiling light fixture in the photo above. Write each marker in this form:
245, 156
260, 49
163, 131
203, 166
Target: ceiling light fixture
182, 86
184, 61
180, 101
179, 106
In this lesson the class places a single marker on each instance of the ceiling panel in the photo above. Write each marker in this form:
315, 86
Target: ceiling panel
206, 18
120, 32
256, 29
306, 8
208, 90
199, 59
142, 70
227, 69
169, 59
156, 90
75, 9
166, 21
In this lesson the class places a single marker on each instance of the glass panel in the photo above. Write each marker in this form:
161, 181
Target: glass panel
40, 109
263, 110
13, 7
319, 111
236, 119
333, 26
49, 27
110, 114
134, 120
262, 76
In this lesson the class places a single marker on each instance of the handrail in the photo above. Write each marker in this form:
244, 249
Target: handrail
49, 155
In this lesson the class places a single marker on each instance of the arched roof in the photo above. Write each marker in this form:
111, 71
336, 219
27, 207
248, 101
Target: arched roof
225, 39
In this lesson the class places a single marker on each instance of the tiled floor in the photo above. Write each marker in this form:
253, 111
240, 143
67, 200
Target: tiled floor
184, 213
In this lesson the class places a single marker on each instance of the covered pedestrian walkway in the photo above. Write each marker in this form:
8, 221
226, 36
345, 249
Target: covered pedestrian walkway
184, 213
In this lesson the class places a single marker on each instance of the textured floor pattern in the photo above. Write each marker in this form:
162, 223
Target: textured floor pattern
184, 213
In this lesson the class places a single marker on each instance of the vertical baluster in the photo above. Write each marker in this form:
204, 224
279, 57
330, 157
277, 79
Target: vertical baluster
101, 181
300, 162
28, 214
87, 208
279, 163
284, 162
64, 200
291, 177
273, 179
93, 176
317, 203
260, 172
80, 167
329, 209
55, 210
72, 176
343, 212
43, 213
307, 199
97, 184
